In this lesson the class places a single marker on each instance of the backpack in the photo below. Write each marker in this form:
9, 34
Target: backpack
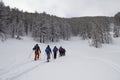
47, 50
55, 49
36, 48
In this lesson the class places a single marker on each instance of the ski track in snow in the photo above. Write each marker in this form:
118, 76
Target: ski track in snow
18, 71
13, 67
15, 73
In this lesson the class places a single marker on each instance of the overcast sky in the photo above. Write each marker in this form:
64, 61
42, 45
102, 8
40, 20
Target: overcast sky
68, 8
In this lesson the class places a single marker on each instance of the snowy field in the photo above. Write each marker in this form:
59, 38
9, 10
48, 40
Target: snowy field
81, 62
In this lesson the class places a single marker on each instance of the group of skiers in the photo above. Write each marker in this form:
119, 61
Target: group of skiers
48, 51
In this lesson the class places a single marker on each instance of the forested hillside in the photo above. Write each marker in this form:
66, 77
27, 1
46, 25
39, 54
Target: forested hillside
49, 28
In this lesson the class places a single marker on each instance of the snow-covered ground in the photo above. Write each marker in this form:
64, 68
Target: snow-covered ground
81, 62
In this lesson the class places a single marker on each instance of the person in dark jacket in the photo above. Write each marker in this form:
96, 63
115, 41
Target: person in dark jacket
48, 51
37, 50
55, 49
62, 51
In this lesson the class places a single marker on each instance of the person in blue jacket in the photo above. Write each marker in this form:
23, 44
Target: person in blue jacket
48, 52
55, 49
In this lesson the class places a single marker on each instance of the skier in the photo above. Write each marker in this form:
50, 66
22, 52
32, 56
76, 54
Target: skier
37, 51
55, 49
48, 51
62, 51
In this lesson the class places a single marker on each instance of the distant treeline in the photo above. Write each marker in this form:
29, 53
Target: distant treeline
48, 28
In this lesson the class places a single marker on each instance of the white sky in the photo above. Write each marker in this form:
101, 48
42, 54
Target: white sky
68, 8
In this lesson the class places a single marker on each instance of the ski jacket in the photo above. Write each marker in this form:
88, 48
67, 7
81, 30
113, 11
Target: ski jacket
48, 50
62, 50
55, 49
36, 48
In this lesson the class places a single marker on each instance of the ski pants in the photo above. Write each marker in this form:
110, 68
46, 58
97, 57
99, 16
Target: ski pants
48, 56
60, 54
36, 55
55, 55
